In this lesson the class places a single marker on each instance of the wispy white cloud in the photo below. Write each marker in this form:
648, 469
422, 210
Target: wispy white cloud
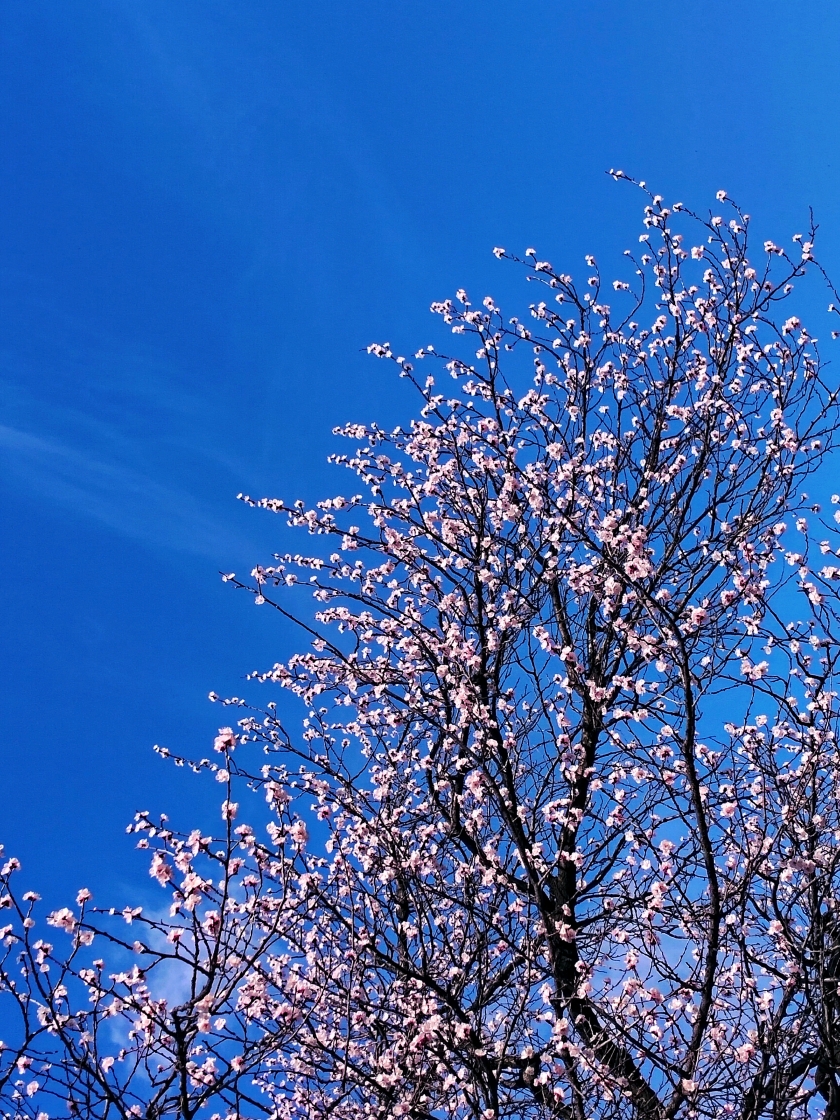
119, 433
116, 494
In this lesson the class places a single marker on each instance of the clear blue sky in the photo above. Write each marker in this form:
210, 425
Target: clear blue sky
208, 210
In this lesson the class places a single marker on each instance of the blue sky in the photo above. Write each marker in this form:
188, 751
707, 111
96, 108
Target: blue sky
208, 210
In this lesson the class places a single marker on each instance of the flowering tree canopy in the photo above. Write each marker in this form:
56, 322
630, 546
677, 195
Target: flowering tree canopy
559, 835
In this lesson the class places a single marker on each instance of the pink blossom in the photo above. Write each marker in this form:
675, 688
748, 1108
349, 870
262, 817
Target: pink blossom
754, 672
62, 919
475, 784
225, 740
160, 869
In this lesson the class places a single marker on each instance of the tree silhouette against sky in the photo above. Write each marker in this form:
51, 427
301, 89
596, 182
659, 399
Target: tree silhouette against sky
558, 836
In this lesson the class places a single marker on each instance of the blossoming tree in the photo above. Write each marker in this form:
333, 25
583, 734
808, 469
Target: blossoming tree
559, 835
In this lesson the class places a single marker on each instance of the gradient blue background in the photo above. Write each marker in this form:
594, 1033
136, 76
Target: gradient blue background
208, 210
